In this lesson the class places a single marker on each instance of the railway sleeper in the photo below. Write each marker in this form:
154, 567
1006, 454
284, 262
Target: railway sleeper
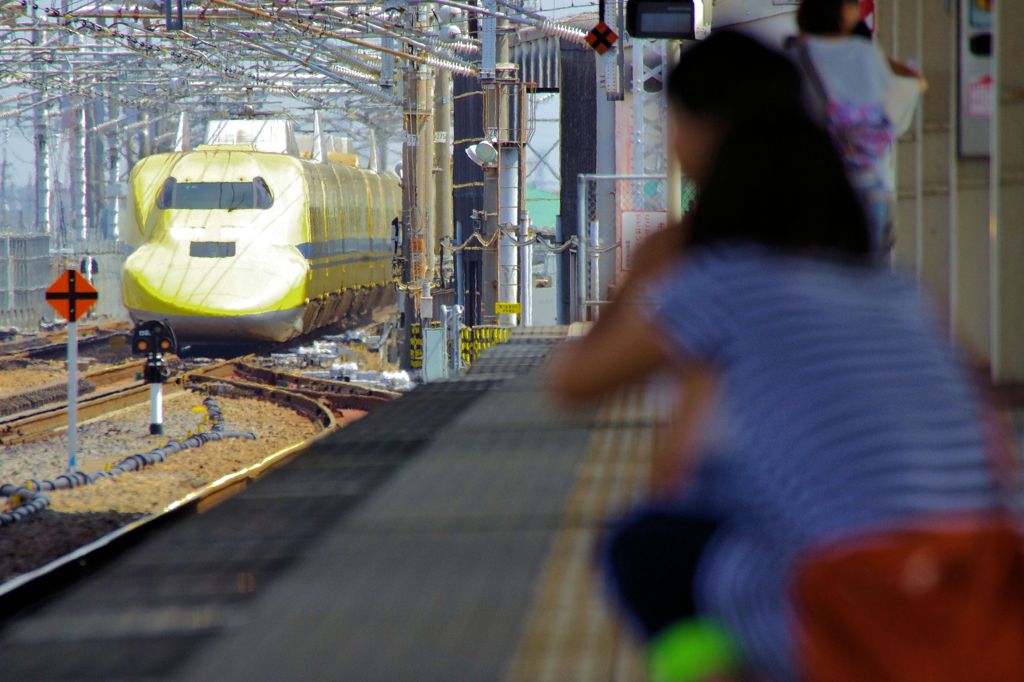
30, 497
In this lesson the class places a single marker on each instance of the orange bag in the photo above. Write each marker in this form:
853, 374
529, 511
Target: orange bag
944, 604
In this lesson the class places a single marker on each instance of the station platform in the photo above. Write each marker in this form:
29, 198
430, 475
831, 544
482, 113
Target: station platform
447, 536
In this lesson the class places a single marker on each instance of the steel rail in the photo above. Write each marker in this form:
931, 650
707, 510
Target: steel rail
342, 395
24, 590
55, 348
41, 422
303, 403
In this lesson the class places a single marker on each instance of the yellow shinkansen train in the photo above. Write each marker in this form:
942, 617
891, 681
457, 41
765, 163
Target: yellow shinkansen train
232, 243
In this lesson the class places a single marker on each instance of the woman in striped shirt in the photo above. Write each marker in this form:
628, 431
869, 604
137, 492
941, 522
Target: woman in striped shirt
855, 440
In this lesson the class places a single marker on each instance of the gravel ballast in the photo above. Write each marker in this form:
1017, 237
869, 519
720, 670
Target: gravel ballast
80, 515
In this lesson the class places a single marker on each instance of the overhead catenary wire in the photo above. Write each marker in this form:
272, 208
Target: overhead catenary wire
120, 65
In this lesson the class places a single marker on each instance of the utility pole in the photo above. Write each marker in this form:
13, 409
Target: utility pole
674, 184
511, 114
406, 298
523, 232
4, 204
417, 181
381, 140
442, 163
96, 190
40, 131
76, 170
495, 51
421, 142
508, 223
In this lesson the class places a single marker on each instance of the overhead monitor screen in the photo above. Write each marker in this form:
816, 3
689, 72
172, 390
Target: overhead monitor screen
668, 19
675, 22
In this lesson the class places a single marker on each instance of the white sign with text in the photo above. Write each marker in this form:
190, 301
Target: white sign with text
636, 225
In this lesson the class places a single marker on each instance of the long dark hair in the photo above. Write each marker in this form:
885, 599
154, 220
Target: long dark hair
821, 17
731, 76
780, 182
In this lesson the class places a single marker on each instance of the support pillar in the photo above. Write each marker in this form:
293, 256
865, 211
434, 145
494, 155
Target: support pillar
496, 124
489, 259
424, 223
43, 183
605, 209
1007, 194
900, 37
444, 224
936, 160
969, 248
508, 222
577, 129
674, 182
76, 222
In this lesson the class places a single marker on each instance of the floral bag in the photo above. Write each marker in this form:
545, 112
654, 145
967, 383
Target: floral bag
863, 133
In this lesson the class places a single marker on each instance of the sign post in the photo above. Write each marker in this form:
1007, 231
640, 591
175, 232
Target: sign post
71, 296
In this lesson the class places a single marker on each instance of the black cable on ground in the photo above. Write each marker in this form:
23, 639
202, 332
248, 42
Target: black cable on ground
30, 497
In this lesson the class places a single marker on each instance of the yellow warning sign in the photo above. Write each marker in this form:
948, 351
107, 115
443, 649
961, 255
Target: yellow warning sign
507, 308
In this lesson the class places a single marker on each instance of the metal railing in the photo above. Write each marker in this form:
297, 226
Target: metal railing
589, 249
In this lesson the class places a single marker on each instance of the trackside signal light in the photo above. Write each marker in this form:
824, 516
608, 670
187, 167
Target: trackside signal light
153, 338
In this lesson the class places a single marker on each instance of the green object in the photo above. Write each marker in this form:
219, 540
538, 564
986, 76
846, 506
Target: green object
691, 651
543, 207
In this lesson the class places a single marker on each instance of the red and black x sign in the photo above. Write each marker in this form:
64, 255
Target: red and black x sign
71, 295
601, 38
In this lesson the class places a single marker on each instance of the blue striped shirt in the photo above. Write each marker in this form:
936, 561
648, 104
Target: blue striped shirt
848, 412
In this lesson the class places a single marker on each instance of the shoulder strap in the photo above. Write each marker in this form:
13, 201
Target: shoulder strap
811, 73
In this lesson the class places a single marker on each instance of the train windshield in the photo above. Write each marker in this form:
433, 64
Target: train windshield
215, 195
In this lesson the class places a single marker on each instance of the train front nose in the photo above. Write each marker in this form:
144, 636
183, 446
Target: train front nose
218, 290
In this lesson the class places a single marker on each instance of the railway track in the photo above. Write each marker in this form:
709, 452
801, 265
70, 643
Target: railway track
113, 389
14, 354
327, 404
119, 387
339, 395
23, 591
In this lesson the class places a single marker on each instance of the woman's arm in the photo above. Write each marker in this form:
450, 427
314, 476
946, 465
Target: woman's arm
623, 346
653, 256
587, 369
904, 71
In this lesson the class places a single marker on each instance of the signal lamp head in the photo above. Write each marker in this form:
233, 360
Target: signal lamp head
153, 338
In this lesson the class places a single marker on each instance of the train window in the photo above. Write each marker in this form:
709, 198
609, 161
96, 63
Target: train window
215, 195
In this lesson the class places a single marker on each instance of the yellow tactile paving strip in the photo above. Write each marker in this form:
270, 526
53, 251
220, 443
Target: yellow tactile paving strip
569, 634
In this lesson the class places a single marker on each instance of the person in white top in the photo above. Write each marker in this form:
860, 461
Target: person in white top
863, 98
